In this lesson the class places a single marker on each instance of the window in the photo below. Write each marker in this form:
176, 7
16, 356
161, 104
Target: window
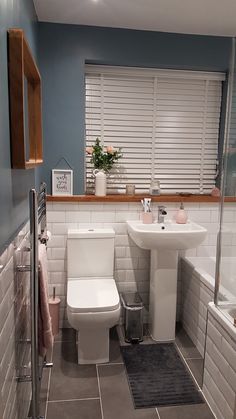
165, 121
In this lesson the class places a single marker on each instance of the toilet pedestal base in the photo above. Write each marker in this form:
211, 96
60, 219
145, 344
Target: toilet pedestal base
93, 346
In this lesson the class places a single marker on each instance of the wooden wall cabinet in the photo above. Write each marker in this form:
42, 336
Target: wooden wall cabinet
25, 103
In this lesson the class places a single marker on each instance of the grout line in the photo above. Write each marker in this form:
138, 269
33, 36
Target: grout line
158, 414
208, 404
199, 388
99, 390
180, 347
74, 400
49, 383
110, 364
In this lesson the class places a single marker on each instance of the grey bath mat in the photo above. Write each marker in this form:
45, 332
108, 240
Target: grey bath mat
158, 377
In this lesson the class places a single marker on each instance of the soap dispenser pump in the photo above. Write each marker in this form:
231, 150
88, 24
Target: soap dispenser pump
181, 216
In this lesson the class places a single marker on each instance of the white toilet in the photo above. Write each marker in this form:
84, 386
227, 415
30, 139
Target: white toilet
93, 303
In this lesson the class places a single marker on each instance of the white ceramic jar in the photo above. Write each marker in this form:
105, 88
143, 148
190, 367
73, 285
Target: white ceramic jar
100, 182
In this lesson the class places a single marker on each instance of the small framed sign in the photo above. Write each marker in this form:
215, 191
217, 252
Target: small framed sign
62, 182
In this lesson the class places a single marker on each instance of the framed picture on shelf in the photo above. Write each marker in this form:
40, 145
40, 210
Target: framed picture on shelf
62, 182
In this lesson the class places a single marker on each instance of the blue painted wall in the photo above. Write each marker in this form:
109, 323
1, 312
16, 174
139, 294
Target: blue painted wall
14, 184
63, 51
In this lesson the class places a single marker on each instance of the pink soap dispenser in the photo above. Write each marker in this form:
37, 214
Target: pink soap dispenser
181, 216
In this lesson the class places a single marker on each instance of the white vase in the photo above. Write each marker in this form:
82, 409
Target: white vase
100, 182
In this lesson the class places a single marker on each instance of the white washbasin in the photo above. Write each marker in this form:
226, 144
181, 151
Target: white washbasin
166, 236
164, 240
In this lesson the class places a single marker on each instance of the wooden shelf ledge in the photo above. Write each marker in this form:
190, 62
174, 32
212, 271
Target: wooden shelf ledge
137, 198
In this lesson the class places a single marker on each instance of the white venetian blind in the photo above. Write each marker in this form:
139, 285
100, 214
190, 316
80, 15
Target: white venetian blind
165, 121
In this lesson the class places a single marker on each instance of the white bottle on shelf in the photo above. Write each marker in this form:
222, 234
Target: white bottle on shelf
100, 182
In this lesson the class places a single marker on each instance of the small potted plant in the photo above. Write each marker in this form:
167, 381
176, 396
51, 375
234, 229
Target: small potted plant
103, 159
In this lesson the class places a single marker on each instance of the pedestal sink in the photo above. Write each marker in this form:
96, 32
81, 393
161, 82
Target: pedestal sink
164, 240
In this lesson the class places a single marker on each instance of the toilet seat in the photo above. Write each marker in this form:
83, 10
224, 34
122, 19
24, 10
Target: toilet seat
92, 295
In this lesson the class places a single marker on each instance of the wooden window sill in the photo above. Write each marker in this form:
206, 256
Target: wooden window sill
137, 198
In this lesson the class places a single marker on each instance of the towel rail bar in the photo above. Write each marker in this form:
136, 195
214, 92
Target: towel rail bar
38, 232
23, 268
34, 303
38, 221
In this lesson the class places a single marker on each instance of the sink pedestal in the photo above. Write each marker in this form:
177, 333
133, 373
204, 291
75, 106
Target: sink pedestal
163, 294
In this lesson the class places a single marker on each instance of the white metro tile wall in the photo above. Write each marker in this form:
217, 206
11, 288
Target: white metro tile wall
131, 262
219, 381
14, 329
195, 297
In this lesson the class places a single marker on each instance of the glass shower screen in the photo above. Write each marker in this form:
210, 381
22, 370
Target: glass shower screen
225, 290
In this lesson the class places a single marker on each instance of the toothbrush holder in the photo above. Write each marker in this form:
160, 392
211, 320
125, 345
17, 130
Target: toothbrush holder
146, 217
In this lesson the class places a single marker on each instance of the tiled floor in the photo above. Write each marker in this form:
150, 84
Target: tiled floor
102, 391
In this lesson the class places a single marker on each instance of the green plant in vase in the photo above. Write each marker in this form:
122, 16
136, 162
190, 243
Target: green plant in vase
103, 159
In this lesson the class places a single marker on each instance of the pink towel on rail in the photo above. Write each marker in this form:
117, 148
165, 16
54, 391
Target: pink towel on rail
45, 336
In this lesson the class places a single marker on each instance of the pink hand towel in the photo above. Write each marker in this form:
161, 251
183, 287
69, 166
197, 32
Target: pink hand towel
45, 336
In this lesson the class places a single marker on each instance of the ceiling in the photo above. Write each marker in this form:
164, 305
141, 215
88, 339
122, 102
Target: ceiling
206, 17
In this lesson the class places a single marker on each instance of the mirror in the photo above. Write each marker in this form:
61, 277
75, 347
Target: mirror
25, 103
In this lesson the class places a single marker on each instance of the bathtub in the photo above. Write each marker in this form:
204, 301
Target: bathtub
205, 268
197, 277
219, 377
211, 328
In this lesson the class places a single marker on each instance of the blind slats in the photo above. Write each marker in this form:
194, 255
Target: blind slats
166, 123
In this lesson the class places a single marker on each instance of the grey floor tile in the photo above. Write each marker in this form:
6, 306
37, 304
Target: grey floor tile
116, 397
66, 335
76, 409
115, 354
70, 380
147, 340
196, 366
44, 392
194, 411
187, 347
69, 335
44, 383
146, 337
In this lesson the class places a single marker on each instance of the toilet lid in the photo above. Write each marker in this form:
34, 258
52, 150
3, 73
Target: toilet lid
92, 295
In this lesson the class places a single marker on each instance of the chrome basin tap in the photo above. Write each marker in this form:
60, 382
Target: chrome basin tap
161, 213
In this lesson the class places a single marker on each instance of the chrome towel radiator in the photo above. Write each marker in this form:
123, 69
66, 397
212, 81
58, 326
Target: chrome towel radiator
38, 232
